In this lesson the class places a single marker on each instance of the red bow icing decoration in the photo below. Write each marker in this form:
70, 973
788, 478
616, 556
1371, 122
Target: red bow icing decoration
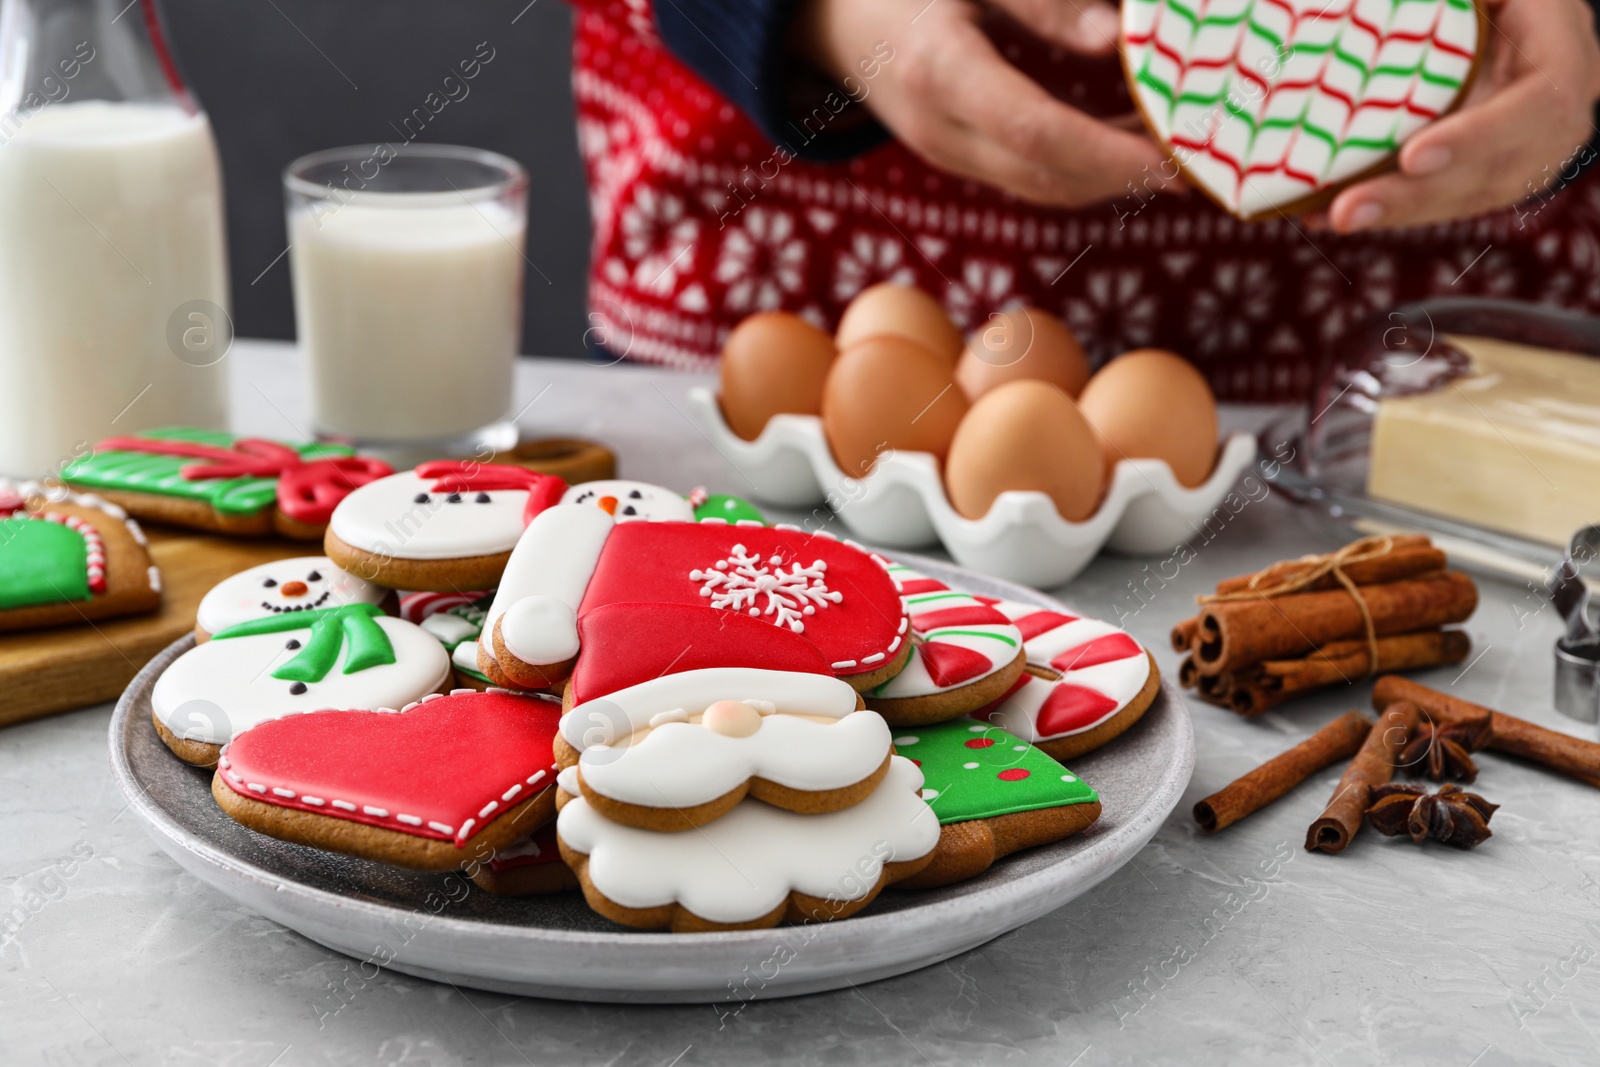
308, 491
470, 476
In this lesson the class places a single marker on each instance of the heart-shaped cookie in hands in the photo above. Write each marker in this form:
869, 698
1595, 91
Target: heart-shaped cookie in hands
1272, 106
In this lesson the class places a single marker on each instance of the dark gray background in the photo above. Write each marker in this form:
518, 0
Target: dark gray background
281, 78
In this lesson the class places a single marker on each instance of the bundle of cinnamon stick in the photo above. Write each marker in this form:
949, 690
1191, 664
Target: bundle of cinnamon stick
1378, 604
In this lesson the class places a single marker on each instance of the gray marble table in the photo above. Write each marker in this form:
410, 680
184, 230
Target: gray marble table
1240, 949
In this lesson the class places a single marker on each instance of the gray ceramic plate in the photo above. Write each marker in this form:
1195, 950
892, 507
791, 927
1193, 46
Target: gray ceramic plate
443, 927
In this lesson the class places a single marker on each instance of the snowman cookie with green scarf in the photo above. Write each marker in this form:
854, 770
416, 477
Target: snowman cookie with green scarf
352, 656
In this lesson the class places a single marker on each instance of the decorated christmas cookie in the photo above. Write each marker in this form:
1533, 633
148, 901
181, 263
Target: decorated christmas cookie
755, 866
965, 654
215, 481
441, 783
575, 558
993, 794
282, 587
445, 526
1271, 106
346, 657
1086, 682
456, 619
677, 713
632, 501
530, 866
69, 558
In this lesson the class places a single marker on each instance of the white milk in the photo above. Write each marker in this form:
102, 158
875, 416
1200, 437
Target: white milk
408, 315
110, 220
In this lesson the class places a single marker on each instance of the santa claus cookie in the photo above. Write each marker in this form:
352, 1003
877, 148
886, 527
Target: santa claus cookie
993, 794
965, 654
215, 481
347, 657
528, 867
443, 782
443, 527
68, 558
1086, 682
456, 619
282, 587
1271, 106
678, 713
575, 558
754, 867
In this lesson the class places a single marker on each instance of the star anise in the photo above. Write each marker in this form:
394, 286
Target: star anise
1443, 752
1448, 816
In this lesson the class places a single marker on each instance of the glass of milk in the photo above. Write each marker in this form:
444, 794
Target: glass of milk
408, 267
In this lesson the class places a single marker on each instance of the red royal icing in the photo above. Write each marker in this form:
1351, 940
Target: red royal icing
971, 615
913, 586
1041, 622
652, 561
979, 742
1069, 708
950, 665
1013, 774
462, 476
626, 644
309, 492
441, 769
1105, 649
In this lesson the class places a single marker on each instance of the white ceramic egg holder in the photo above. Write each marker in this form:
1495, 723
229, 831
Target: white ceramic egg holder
902, 503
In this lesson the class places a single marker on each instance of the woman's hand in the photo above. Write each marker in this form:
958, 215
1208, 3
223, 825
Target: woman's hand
951, 98
1530, 112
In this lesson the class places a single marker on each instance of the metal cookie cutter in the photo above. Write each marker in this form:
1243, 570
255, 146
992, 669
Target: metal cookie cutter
1577, 690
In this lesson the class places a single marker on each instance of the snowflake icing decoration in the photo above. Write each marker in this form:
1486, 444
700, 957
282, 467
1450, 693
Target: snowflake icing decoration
744, 582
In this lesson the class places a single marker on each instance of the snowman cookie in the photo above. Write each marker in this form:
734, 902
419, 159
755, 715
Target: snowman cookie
628, 501
285, 586
677, 714
574, 558
444, 783
346, 657
69, 558
456, 619
446, 526
216, 481
528, 867
993, 794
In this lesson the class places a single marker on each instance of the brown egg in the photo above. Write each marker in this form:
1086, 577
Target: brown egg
888, 393
1025, 435
1022, 343
773, 363
1153, 404
904, 312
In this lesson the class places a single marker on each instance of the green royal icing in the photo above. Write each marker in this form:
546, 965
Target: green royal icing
331, 629
41, 562
967, 779
145, 472
731, 508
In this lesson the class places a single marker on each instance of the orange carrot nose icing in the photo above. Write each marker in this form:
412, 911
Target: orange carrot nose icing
608, 504
293, 589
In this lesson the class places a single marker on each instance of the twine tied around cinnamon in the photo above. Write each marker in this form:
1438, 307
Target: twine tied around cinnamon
1315, 568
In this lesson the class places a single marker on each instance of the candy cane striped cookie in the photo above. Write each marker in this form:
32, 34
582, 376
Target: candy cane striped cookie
966, 654
1086, 682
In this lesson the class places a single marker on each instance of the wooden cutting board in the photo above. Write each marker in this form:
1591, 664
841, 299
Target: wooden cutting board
47, 671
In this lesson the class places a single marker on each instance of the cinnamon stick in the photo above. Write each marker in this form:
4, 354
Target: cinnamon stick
1411, 556
1266, 685
1373, 766
1516, 737
1340, 739
1184, 633
1235, 633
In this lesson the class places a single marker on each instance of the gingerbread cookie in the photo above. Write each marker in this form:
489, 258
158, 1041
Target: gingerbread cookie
446, 526
346, 657
285, 586
444, 781
677, 713
528, 867
756, 865
1271, 108
993, 794
965, 654
1086, 682
68, 558
575, 558
628, 501
215, 481
456, 619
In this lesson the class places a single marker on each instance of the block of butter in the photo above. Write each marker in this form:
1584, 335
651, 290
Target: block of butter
1513, 446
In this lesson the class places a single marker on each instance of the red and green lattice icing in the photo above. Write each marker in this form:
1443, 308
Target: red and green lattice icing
1265, 102
974, 771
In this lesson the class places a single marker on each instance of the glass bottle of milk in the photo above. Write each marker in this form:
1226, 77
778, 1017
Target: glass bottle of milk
113, 268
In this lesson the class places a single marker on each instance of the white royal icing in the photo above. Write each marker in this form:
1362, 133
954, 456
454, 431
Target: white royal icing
451, 629
247, 595
540, 629
386, 517
223, 687
465, 656
746, 582
632, 501
745, 864
555, 557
